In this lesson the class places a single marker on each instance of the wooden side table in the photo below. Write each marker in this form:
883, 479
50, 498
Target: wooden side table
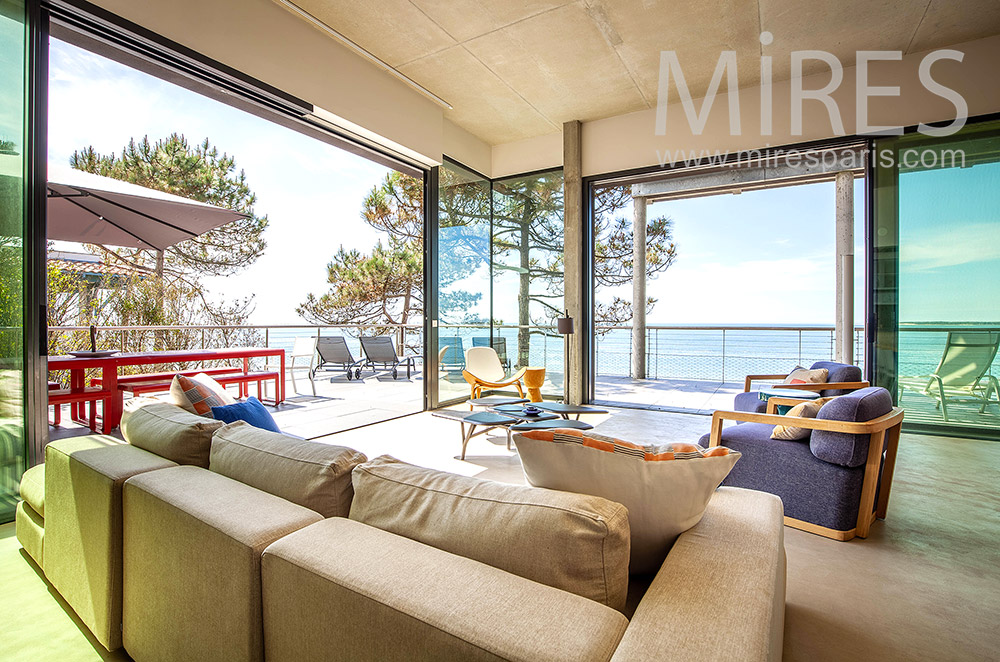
533, 379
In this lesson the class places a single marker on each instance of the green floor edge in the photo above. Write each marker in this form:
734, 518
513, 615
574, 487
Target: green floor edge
38, 625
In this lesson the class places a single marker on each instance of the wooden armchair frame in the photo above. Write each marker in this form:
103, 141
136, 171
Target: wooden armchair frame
821, 386
478, 384
884, 435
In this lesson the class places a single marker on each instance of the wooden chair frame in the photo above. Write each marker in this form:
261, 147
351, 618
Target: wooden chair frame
478, 384
884, 435
822, 386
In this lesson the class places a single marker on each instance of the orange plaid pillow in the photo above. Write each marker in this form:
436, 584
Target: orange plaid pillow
193, 396
650, 453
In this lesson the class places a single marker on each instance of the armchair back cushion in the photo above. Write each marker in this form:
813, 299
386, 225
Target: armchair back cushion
574, 542
849, 450
308, 473
838, 372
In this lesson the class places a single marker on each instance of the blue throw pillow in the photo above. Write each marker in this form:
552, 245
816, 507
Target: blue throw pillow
250, 410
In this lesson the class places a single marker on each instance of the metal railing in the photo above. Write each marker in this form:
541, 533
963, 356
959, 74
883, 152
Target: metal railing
718, 353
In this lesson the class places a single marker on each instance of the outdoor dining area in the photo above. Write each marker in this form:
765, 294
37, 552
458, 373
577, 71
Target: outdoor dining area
332, 388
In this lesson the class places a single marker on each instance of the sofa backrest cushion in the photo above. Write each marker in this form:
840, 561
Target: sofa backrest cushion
574, 542
169, 431
849, 450
838, 372
311, 474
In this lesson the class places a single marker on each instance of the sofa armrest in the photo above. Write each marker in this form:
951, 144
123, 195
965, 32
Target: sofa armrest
344, 586
720, 594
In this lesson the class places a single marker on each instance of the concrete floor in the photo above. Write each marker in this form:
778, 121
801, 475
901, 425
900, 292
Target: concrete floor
925, 585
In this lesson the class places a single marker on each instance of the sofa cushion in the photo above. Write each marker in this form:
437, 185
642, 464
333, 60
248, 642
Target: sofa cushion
311, 474
343, 590
838, 372
849, 450
170, 432
729, 569
573, 542
32, 488
665, 488
29, 526
83, 525
192, 586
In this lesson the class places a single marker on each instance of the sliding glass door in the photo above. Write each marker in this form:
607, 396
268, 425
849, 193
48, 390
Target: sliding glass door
937, 269
13, 449
464, 294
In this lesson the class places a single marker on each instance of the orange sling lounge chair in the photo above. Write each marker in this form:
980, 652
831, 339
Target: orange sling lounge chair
484, 370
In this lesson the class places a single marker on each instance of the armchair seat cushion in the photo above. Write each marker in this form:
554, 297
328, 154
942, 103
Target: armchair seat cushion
750, 401
811, 489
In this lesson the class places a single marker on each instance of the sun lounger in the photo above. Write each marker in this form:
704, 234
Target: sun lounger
381, 353
333, 351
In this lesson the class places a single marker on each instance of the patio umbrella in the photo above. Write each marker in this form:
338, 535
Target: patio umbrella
93, 209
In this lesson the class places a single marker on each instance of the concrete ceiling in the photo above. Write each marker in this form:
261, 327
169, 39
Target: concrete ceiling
520, 68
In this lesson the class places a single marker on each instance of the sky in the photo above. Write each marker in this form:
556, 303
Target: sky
310, 191
950, 236
760, 257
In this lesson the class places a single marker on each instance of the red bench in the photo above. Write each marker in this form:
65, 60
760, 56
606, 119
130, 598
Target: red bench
168, 376
244, 379
61, 396
138, 387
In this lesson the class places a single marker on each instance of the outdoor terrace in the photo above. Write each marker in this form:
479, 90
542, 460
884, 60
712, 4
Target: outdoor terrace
693, 370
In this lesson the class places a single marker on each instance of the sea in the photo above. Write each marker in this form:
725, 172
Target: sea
695, 352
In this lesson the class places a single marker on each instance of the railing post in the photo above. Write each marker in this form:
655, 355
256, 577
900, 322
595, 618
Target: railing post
724, 356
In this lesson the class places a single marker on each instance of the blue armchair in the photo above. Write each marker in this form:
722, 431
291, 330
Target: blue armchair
834, 483
842, 377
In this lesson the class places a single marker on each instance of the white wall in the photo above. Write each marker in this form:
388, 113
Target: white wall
468, 150
528, 155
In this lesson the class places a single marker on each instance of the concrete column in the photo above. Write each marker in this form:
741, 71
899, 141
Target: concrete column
844, 345
639, 287
573, 256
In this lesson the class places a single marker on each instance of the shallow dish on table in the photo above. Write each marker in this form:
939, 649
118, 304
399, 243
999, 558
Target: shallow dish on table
94, 355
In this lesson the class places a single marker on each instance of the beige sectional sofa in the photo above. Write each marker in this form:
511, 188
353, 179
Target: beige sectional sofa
209, 542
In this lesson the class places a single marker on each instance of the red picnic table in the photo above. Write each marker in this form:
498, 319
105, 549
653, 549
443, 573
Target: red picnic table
109, 365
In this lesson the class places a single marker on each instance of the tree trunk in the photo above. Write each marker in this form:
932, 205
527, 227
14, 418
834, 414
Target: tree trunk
160, 337
523, 311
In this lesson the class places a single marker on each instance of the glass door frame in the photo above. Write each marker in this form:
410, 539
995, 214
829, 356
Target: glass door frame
882, 337
588, 370
273, 103
35, 352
